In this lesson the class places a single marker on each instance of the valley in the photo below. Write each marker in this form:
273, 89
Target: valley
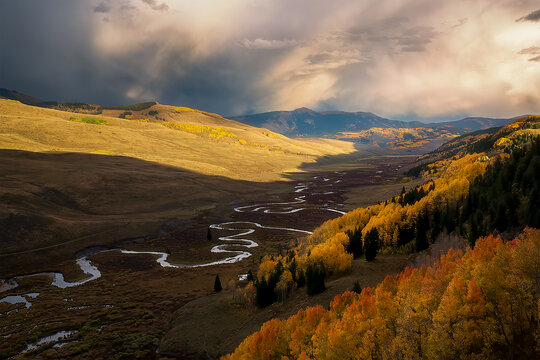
113, 245
115, 228
134, 287
269, 180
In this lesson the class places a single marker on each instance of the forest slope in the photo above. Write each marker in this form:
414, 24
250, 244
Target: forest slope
468, 195
482, 304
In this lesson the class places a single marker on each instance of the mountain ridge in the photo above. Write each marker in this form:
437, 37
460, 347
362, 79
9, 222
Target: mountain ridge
301, 122
307, 122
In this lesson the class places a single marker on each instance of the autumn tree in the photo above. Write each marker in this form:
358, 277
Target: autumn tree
479, 305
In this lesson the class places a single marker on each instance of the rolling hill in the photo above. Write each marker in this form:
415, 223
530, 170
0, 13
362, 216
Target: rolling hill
70, 180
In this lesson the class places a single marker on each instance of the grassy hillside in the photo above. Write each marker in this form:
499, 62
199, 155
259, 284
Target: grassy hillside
70, 180
506, 137
255, 154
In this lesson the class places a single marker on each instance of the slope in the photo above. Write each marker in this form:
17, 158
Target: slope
468, 195
193, 140
69, 181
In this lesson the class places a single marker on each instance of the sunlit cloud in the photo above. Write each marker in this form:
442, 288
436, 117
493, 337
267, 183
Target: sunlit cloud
419, 59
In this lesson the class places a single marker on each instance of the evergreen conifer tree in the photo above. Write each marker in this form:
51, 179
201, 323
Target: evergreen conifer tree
217, 284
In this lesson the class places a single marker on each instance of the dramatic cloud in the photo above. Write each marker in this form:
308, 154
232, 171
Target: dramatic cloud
406, 59
102, 8
156, 6
534, 16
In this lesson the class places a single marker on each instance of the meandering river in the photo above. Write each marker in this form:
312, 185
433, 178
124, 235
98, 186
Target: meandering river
242, 229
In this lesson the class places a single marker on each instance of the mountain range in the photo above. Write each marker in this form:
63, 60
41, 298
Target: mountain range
306, 122
302, 122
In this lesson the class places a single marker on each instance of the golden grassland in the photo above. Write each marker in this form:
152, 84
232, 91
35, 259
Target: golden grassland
72, 181
35, 129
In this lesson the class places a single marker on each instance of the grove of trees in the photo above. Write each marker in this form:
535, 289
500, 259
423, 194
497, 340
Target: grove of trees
479, 305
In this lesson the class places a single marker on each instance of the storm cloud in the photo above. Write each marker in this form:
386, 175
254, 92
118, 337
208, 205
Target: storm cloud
534, 16
419, 59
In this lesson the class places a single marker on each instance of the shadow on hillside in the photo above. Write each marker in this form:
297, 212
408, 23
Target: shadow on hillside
80, 200
56, 204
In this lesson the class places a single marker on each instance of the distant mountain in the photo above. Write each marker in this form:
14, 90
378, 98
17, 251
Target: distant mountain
15, 95
306, 122
79, 107
476, 123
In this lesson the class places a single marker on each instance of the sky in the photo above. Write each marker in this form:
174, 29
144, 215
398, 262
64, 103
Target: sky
408, 60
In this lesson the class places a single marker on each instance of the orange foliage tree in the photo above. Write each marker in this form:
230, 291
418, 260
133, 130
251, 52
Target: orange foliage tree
483, 304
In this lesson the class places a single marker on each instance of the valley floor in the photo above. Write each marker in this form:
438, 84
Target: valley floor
128, 311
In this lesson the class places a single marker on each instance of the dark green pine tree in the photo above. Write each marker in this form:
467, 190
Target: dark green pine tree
315, 275
357, 288
532, 209
265, 293
371, 244
217, 284
355, 243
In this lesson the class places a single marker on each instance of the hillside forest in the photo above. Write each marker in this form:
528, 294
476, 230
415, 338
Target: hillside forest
478, 303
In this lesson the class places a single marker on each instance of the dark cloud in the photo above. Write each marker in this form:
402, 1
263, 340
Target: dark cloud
319, 58
416, 39
410, 57
49, 54
534, 16
155, 5
102, 8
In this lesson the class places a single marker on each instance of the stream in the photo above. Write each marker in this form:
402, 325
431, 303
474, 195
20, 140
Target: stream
243, 228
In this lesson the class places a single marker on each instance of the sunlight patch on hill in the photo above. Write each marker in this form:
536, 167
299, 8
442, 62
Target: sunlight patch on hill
400, 138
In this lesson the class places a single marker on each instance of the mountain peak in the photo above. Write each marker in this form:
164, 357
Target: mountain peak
303, 110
